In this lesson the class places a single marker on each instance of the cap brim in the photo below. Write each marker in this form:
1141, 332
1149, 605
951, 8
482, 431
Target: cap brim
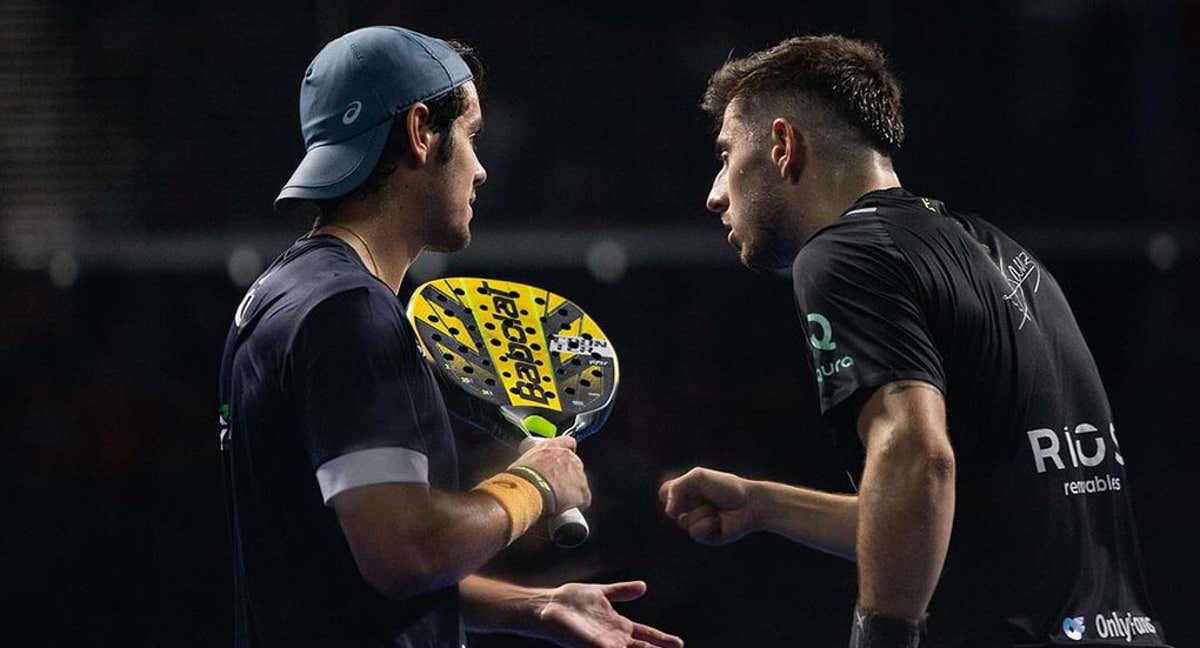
332, 170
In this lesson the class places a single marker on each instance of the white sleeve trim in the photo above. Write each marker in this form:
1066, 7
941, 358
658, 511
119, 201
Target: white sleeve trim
371, 466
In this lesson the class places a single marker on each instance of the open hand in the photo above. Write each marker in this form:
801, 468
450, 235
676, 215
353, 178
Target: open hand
581, 615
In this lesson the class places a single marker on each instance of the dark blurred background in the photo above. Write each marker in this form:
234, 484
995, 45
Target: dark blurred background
141, 145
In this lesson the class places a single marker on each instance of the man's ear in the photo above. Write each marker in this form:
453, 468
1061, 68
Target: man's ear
788, 149
420, 135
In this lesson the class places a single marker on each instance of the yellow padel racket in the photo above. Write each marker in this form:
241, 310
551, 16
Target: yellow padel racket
535, 364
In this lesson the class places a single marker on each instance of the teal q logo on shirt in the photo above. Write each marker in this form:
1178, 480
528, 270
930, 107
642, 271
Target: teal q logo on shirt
825, 341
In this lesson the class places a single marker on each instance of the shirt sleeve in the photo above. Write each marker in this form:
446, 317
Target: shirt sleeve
356, 377
859, 302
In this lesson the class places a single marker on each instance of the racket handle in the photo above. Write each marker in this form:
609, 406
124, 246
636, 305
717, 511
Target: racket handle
568, 529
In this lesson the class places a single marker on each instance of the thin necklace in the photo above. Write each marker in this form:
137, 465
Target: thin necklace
360, 240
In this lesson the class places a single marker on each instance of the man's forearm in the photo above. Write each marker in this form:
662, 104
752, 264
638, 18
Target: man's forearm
905, 517
495, 606
824, 521
466, 531
408, 538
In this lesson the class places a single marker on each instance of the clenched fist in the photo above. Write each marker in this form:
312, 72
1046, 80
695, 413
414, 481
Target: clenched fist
713, 507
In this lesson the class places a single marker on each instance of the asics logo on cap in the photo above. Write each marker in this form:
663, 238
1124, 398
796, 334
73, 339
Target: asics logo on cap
352, 112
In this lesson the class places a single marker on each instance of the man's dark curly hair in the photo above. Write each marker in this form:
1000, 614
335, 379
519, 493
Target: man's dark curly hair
845, 78
443, 110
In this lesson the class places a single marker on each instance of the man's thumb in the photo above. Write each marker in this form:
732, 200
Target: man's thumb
627, 591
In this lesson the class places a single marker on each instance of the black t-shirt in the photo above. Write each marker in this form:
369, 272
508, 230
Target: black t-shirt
322, 390
1044, 549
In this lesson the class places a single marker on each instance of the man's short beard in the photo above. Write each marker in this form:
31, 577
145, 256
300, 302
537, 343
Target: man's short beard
442, 236
446, 234
447, 241
772, 244
766, 260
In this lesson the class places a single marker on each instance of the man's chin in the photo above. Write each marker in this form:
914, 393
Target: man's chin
453, 243
759, 262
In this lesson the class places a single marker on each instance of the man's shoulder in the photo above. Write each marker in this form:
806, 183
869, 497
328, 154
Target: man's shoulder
309, 274
906, 217
918, 217
900, 222
855, 239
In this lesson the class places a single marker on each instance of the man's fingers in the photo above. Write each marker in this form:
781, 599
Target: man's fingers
704, 529
666, 493
676, 505
627, 591
681, 498
655, 637
697, 513
563, 441
665, 490
680, 483
694, 487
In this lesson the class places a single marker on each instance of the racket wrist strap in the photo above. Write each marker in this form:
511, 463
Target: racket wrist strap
873, 630
519, 498
549, 499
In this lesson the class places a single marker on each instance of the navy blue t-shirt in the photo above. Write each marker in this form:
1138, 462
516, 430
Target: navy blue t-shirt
323, 389
1044, 550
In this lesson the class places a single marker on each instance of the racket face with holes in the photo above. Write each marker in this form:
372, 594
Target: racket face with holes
524, 349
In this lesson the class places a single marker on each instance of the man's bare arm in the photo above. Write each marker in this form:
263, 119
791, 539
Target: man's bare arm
906, 501
491, 605
717, 507
409, 538
824, 521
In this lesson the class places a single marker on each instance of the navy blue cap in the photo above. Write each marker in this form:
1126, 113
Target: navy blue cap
350, 93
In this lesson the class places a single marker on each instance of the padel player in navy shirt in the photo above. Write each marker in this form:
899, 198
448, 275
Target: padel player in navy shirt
348, 527
324, 373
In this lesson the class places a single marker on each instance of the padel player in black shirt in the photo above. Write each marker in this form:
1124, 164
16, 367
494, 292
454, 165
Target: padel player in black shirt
901, 288
994, 507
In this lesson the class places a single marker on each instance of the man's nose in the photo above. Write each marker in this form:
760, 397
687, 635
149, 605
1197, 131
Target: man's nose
718, 198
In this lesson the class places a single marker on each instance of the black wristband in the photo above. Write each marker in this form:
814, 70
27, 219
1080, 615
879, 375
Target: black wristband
873, 630
549, 500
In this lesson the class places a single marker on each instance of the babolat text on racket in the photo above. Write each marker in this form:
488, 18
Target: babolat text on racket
534, 363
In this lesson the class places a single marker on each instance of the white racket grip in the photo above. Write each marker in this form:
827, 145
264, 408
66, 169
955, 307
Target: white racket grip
568, 529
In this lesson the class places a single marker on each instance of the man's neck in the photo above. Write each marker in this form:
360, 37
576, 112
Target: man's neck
846, 186
386, 252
